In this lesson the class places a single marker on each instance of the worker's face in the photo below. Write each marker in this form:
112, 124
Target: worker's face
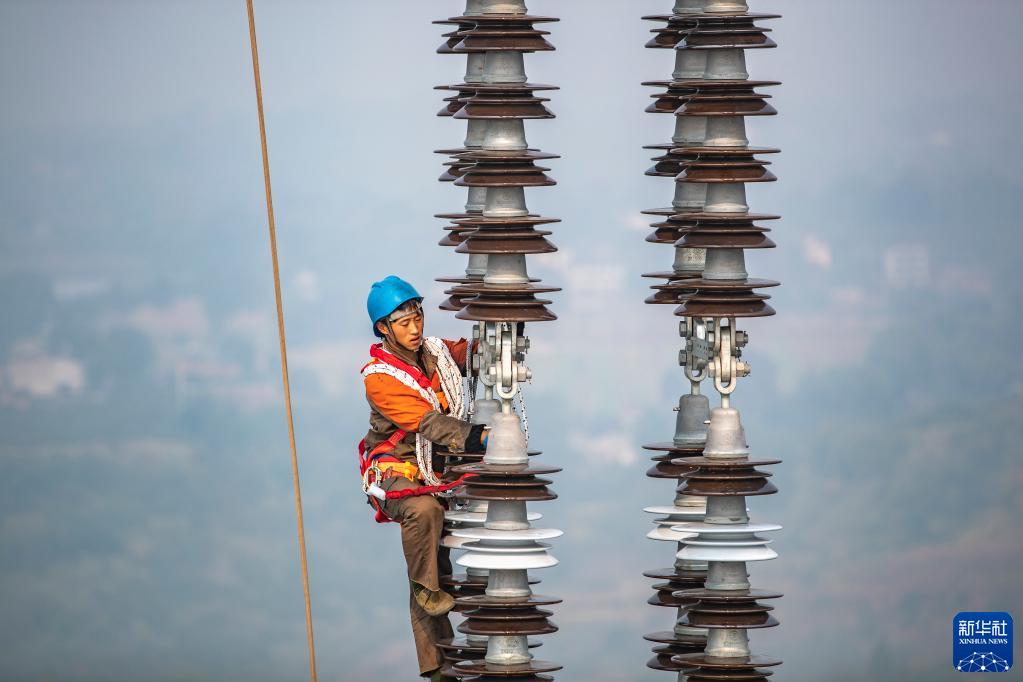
407, 331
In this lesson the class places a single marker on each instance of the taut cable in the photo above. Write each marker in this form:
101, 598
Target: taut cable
284, 347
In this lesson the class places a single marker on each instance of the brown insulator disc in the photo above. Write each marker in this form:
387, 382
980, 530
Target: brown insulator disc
669, 294
672, 275
675, 450
497, 19
737, 462
510, 308
528, 621
737, 664
485, 600
719, 152
483, 291
461, 644
456, 101
719, 32
701, 85
664, 235
454, 657
738, 478
702, 217
504, 105
705, 675
672, 292
502, 482
667, 470
671, 464
736, 303
477, 457
664, 656
505, 33
505, 174
694, 17
511, 673
456, 216
481, 221
454, 302
667, 593
452, 37
664, 38
461, 580
669, 231
667, 165
669, 35
497, 87
671, 99
730, 170
737, 104
722, 298
452, 237
509, 239
505, 156
710, 239
672, 573
672, 637
717, 86
744, 615
453, 170
731, 595
665, 211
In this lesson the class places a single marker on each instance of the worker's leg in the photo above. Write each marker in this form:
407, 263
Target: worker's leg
427, 631
422, 519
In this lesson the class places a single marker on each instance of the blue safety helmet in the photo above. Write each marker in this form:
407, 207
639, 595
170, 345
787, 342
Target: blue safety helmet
388, 295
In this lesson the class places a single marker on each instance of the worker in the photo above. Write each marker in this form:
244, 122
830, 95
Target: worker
414, 388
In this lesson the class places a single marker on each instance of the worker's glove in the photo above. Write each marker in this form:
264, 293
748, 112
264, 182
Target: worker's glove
476, 441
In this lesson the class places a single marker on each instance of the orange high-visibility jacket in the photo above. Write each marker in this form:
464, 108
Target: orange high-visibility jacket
393, 405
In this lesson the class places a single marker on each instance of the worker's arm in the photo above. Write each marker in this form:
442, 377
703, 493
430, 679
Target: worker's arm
407, 410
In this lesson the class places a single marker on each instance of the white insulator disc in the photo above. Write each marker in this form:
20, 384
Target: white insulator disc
479, 518
703, 541
451, 542
669, 534
492, 535
672, 510
727, 528
720, 553
496, 562
484, 546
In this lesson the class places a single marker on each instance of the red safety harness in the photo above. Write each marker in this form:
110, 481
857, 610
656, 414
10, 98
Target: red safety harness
381, 453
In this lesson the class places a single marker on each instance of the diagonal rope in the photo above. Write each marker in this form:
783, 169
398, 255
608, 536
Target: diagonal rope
284, 348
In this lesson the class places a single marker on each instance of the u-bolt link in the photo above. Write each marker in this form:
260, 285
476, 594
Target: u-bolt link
726, 367
502, 356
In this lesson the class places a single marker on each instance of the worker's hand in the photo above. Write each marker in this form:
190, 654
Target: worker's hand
476, 441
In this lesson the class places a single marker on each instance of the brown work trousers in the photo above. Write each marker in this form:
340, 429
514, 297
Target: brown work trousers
422, 519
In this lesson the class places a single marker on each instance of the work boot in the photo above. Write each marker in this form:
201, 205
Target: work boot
434, 603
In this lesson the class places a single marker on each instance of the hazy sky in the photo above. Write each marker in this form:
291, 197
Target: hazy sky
146, 517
